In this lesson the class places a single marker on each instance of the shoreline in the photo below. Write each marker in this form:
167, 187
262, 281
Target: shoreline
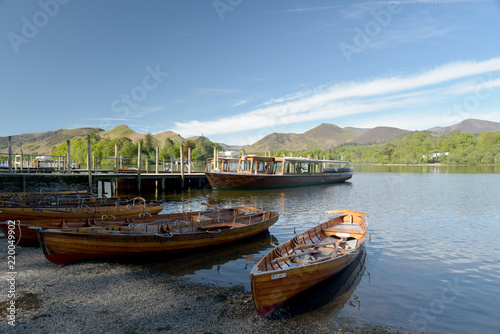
112, 297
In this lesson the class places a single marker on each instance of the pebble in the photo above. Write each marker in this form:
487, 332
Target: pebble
108, 297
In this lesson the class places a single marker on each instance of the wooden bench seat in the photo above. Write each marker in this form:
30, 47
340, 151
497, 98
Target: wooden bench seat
345, 228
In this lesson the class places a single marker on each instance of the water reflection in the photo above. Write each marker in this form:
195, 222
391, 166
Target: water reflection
214, 259
482, 169
431, 226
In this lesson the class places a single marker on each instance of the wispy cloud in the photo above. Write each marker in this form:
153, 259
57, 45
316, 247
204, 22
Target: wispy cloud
416, 2
351, 98
239, 103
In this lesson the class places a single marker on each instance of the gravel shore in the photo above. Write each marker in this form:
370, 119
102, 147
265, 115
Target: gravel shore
112, 297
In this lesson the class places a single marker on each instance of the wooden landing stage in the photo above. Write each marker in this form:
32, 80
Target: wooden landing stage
150, 182
110, 182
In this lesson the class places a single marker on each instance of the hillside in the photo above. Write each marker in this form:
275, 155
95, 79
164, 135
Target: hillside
323, 137
42, 143
125, 131
277, 141
379, 134
469, 125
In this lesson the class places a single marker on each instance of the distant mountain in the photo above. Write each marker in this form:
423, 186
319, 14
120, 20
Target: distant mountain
42, 143
324, 136
379, 134
160, 137
233, 147
124, 131
469, 125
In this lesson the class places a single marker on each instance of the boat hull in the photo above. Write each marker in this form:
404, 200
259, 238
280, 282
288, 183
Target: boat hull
76, 212
61, 247
263, 181
307, 259
270, 293
25, 231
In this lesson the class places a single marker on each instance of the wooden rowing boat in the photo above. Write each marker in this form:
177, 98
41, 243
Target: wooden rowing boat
307, 259
137, 207
24, 231
57, 200
65, 246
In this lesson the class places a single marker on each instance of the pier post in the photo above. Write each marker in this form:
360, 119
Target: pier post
139, 168
116, 158
89, 162
68, 154
189, 160
215, 160
157, 169
10, 154
182, 166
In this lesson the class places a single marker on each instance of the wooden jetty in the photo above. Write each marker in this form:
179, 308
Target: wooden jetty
115, 182
25, 172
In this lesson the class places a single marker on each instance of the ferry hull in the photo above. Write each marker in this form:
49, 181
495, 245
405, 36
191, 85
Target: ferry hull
263, 181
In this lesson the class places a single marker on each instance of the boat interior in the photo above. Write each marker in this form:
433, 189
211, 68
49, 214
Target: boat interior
318, 244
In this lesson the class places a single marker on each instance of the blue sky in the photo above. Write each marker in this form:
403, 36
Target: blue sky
237, 70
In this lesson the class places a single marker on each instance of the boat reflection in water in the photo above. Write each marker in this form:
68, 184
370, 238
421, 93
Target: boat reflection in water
330, 295
211, 259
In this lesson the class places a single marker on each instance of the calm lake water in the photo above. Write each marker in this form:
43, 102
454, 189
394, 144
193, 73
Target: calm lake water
432, 265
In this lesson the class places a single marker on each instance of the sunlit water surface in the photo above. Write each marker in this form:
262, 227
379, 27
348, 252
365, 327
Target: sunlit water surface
432, 265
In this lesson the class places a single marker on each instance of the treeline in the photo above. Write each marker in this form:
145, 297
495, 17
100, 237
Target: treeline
416, 148
201, 149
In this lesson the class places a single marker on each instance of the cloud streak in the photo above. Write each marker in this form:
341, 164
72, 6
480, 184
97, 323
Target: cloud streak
383, 94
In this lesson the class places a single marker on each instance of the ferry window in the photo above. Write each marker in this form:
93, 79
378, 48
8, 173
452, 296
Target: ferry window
305, 168
259, 166
233, 166
278, 167
245, 165
269, 167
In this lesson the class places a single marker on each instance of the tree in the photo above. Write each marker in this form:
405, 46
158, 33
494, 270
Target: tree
128, 150
465, 140
149, 145
168, 149
486, 139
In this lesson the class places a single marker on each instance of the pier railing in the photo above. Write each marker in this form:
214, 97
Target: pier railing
34, 163
26, 163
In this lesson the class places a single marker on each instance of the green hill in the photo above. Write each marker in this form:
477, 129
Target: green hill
43, 142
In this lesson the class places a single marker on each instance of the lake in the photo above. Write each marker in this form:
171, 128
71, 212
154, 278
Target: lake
432, 264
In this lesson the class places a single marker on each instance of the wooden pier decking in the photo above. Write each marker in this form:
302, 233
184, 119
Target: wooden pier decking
99, 181
27, 173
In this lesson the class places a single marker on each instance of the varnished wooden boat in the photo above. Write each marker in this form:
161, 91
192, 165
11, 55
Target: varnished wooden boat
166, 235
24, 231
307, 259
137, 207
253, 172
56, 200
